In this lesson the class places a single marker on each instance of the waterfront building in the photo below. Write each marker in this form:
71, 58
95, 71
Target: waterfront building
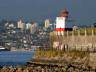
6, 24
75, 27
11, 25
28, 26
33, 27
20, 24
47, 23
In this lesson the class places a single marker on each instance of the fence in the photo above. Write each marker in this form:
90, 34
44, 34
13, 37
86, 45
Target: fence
83, 40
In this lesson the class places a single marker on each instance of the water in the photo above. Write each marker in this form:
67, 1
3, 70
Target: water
13, 58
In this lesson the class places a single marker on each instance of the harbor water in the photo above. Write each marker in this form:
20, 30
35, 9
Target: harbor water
14, 58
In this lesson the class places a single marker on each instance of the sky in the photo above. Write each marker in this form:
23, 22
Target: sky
82, 12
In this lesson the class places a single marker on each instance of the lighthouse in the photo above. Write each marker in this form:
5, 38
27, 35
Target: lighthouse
62, 23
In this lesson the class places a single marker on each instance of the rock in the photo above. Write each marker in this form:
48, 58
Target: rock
92, 60
76, 70
19, 70
63, 69
71, 69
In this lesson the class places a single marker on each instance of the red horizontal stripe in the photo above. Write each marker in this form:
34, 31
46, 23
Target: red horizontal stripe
59, 29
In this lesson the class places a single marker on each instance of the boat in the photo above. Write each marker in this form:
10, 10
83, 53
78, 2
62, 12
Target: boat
3, 49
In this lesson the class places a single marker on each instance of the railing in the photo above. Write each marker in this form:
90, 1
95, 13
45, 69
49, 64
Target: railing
81, 40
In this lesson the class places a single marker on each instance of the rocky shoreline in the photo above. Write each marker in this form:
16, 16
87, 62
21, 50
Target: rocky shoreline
40, 65
71, 67
68, 62
62, 66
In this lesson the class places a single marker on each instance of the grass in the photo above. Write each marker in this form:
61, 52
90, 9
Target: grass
59, 54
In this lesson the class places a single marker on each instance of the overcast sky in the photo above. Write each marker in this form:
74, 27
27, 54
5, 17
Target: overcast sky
82, 11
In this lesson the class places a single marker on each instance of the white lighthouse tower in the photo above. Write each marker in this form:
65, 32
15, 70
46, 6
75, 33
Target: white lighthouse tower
61, 23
